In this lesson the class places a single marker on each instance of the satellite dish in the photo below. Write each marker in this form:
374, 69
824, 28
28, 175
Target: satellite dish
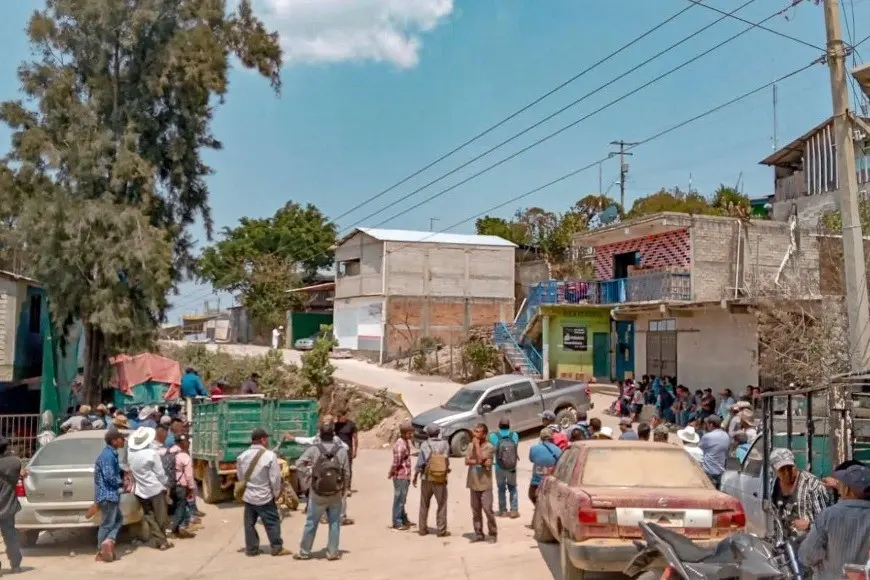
609, 215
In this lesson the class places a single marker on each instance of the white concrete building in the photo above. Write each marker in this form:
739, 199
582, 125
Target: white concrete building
395, 287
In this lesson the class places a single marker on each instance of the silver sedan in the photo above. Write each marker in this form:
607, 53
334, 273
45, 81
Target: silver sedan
59, 487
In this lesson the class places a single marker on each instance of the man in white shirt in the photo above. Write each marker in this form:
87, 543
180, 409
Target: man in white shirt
258, 471
276, 337
149, 486
690, 439
77, 422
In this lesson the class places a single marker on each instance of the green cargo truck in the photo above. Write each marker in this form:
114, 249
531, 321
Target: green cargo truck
221, 431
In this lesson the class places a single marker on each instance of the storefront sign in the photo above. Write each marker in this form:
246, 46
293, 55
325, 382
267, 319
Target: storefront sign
575, 338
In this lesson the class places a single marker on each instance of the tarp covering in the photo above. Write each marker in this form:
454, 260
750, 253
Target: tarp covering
142, 368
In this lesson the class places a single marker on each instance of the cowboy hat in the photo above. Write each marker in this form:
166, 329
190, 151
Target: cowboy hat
102, 407
85, 409
121, 422
747, 416
688, 435
606, 432
146, 413
141, 438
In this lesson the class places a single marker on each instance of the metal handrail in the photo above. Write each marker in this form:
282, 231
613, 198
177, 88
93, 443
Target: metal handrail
502, 334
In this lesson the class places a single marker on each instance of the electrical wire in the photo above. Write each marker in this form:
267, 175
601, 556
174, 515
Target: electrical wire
516, 113
570, 125
759, 26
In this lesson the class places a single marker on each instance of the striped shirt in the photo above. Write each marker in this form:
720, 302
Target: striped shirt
839, 536
808, 499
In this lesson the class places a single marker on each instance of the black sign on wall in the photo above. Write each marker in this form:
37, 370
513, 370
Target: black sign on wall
574, 338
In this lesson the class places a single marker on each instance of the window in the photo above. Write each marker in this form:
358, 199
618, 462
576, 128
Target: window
494, 399
349, 268
34, 322
565, 466
521, 392
754, 461
74, 452
665, 325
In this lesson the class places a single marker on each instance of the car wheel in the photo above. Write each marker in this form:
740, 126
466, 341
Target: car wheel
569, 572
566, 417
459, 443
28, 538
541, 530
211, 486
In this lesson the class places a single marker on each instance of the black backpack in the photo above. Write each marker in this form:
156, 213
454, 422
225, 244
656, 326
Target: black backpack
327, 476
168, 461
506, 453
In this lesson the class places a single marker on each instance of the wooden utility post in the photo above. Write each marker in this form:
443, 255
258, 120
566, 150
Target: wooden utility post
853, 243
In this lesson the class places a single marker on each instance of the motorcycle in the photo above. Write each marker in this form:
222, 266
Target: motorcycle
738, 557
785, 549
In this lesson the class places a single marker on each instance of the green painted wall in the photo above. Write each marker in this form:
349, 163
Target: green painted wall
594, 320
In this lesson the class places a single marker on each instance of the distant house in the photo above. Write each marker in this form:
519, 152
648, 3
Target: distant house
805, 173
396, 287
22, 301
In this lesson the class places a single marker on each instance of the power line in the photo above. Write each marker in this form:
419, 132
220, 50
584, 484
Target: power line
573, 124
557, 113
759, 26
515, 114
595, 163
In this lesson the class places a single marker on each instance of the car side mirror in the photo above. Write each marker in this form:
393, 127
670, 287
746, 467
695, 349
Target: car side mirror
486, 409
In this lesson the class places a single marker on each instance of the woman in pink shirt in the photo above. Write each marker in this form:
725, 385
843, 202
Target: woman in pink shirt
184, 489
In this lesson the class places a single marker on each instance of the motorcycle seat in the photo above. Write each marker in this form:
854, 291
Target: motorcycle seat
686, 549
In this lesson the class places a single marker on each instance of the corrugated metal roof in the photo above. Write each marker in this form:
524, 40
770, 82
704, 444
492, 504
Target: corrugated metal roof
411, 236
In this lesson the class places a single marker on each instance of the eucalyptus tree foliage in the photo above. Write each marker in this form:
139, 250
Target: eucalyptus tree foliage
106, 152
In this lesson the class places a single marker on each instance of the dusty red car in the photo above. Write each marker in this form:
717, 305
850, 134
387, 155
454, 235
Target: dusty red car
600, 490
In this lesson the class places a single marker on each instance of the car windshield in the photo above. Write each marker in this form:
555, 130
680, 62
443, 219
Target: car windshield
634, 467
61, 451
463, 400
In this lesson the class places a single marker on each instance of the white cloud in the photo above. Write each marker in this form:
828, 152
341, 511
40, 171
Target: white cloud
315, 31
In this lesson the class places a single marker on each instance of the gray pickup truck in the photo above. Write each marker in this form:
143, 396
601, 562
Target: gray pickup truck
486, 401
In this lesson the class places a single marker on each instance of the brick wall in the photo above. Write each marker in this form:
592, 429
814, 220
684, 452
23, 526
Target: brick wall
763, 245
662, 250
449, 319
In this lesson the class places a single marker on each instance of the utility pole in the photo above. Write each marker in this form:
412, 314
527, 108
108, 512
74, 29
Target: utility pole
853, 243
432, 223
623, 167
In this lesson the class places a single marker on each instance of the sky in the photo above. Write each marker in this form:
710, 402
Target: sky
375, 90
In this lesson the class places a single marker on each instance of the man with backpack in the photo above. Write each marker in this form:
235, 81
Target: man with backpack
330, 475
433, 464
506, 444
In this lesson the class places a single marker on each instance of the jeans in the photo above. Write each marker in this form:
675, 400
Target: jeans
506, 481
400, 496
312, 520
111, 523
10, 538
268, 513
181, 517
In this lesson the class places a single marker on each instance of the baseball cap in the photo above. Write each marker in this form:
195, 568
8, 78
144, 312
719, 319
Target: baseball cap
547, 416
855, 477
781, 457
625, 421
258, 433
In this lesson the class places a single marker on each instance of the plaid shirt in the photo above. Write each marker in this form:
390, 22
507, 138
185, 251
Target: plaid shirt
107, 476
808, 499
401, 467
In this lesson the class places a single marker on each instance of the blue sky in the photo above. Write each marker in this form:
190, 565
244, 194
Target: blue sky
376, 89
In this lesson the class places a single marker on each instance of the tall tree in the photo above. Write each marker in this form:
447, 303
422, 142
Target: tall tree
674, 200
106, 149
730, 201
262, 258
506, 229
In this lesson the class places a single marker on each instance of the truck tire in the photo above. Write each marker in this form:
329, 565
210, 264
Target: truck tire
569, 572
566, 417
459, 443
540, 529
211, 486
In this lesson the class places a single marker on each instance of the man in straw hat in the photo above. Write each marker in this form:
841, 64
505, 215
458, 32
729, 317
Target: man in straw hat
150, 485
840, 534
77, 422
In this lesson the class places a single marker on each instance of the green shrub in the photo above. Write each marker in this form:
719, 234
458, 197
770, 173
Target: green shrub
479, 358
317, 371
370, 412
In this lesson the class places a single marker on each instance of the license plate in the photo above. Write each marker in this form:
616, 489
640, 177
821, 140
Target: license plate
665, 519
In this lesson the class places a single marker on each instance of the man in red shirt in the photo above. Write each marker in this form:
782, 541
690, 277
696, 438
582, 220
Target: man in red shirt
400, 473
548, 420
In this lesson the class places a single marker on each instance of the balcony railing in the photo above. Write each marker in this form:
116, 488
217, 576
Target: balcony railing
661, 286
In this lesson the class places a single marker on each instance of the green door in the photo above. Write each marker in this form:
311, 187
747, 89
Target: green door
601, 355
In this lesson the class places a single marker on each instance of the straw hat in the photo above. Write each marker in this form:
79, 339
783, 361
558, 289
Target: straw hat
85, 409
141, 438
689, 435
121, 422
606, 432
146, 413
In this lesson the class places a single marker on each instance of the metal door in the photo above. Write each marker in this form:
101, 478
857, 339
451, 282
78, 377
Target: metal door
661, 353
624, 349
601, 355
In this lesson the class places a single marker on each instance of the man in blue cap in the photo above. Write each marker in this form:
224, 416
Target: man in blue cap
840, 535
